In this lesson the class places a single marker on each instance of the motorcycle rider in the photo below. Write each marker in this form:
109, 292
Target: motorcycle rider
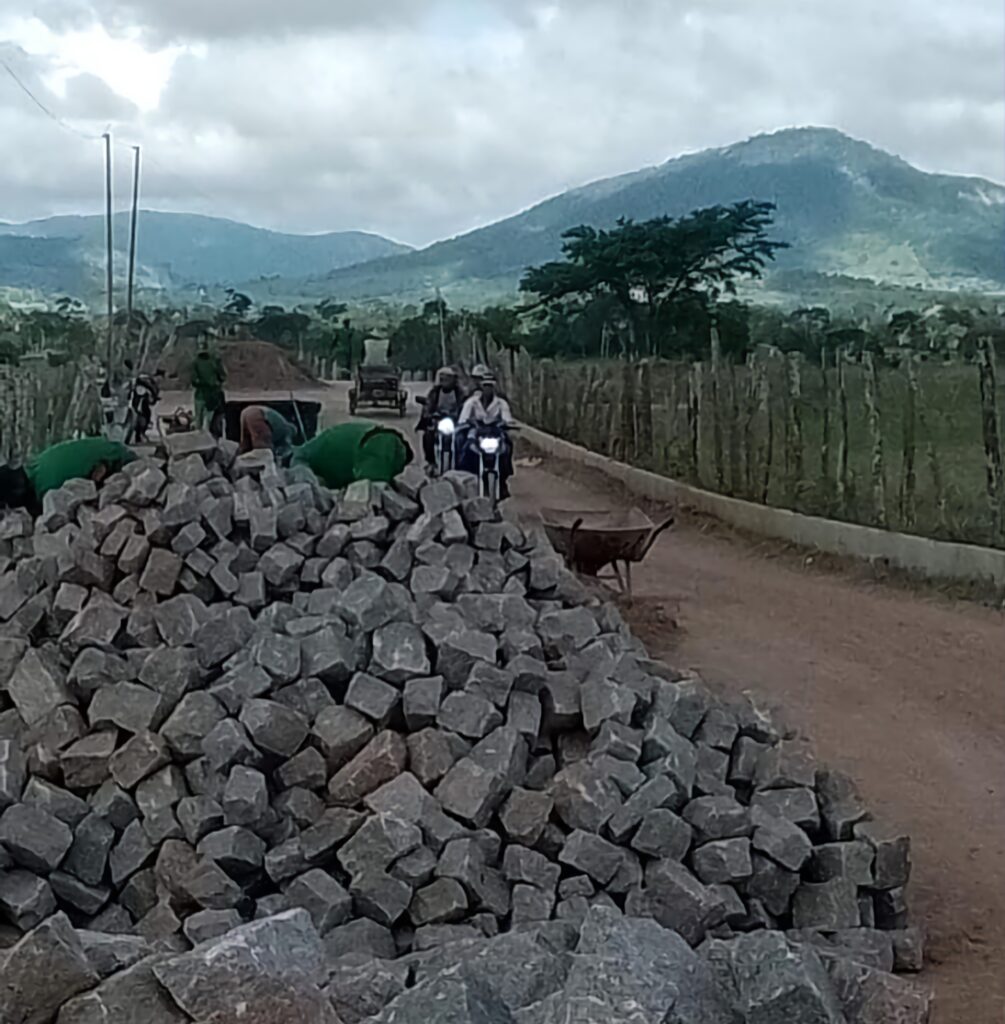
486, 407
445, 399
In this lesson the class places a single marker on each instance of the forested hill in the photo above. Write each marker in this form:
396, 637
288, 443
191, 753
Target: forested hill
175, 250
843, 205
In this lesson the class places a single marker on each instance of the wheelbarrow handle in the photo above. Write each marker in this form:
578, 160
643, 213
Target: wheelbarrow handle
654, 536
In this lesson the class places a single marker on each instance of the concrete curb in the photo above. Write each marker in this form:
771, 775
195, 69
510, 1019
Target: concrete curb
931, 559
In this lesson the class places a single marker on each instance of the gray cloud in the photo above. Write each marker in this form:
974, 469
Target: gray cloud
423, 118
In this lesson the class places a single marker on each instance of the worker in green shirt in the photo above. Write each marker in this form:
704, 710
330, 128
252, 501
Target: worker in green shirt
91, 458
354, 451
208, 377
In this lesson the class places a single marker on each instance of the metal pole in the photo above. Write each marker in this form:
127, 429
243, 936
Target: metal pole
132, 238
108, 256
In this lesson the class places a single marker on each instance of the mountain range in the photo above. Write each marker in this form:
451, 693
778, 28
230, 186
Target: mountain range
844, 206
175, 251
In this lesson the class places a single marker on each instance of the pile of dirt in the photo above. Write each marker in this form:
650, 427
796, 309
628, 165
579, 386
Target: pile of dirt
250, 366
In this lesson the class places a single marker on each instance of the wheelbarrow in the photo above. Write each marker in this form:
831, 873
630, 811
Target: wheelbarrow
592, 541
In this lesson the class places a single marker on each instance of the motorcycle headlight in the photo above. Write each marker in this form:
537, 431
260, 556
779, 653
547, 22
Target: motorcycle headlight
489, 445
445, 427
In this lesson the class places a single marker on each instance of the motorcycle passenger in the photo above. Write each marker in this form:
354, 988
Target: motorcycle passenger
487, 408
445, 399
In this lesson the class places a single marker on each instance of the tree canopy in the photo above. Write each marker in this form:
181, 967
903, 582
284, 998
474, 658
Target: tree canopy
652, 268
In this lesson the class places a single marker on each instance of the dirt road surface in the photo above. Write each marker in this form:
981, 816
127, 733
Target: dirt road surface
901, 690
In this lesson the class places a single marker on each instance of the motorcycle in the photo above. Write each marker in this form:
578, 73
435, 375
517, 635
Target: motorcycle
491, 444
443, 430
144, 394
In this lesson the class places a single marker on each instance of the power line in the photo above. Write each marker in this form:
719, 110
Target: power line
45, 110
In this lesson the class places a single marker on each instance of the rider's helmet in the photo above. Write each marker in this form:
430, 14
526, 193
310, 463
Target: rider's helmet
445, 374
480, 372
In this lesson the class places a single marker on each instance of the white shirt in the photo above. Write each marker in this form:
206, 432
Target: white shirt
497, 410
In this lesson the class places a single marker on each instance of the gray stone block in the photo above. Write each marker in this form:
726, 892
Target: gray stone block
430, 755
245, 798
852, 861
44, 970
380, 897
236, 850
771, 884
114, 805
270, 964
827, 905
596, 857
140, 756
194, 718
333, 828
341, 734
399, 653
198, 816
677, 900
471, 792
663, 834
13, 773
780, 839
468, 715
796, 805
127, 706
242, 683
378, 843
25, 899
130, 854
274, 728
585, 796
88, 854
330, 656
378, 762
525, 814
892, 850
717, 817
327, 902
208, 886
35, 840
372, 697
38, 686
723, 861
306, 769
841, 808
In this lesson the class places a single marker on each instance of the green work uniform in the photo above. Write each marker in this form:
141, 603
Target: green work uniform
344, 453
207, 383
72, 460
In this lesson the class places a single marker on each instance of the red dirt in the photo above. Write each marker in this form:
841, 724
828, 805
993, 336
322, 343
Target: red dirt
900, 689
250, 366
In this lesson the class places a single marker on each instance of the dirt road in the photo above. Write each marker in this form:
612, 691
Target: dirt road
902, 691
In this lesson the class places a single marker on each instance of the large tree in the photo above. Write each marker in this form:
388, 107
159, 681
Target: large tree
652, 267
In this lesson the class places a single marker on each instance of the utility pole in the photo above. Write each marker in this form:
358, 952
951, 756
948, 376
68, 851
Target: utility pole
109, 282
443, 335
132, 238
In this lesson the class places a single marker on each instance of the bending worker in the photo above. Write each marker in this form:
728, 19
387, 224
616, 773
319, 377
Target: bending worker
262, 427
93, 458
354, 451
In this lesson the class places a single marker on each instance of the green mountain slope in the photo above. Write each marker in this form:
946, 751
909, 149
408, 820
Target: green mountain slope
175, 250
844, 206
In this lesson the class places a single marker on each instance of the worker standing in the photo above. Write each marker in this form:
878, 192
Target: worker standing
208, 377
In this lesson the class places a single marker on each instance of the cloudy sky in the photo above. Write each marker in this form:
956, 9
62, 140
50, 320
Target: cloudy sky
423, 118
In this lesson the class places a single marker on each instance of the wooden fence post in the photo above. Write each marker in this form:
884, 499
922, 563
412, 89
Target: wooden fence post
735, 435
877, 467
841, 469
992, 443
793, 427
825, 441
934, 465
628, 446
764, 391
646, 441
694, 420
908, 474
720, 474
